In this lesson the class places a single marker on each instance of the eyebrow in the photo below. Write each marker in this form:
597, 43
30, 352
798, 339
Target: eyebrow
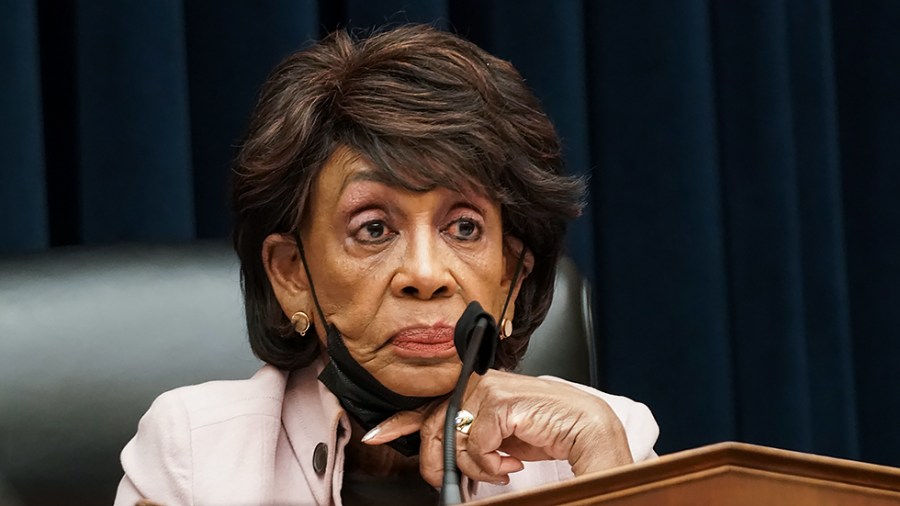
468, 204
362, 175
377, 176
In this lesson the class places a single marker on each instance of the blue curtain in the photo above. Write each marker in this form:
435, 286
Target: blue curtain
743, 229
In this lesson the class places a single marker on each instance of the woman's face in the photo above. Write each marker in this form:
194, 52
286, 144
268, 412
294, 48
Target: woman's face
395, 269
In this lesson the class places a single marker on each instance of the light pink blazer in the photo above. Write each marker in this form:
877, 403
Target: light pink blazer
253, 441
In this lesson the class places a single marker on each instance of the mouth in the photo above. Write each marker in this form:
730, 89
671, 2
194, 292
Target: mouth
434, 341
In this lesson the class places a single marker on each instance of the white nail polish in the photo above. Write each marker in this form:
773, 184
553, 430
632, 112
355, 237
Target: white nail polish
372, 433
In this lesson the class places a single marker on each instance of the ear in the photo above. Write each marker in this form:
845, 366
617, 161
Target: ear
286, 274
512, 252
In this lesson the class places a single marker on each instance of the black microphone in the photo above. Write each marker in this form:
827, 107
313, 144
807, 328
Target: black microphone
477, 355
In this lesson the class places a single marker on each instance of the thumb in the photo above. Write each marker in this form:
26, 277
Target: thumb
400, 424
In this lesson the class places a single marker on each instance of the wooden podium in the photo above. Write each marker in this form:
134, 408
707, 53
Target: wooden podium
733, 474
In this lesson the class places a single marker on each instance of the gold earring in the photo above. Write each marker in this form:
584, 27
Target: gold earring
300, 320
506, 328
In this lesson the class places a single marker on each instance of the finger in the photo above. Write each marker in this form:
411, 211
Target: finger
431, 459
486, 435
521, 450
400, 424
492, 468
431, 453
477, 454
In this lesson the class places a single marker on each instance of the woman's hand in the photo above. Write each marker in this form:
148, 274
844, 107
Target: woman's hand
523, 417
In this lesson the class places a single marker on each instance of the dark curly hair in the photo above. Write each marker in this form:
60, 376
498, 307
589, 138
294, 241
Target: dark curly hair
428, 109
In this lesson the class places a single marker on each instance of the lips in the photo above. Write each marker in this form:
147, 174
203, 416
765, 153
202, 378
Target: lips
433, 341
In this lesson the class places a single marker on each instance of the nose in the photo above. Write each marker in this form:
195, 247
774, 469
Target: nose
424, 272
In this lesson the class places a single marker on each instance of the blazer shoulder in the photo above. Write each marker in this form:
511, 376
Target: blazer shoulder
168, 455
218, 401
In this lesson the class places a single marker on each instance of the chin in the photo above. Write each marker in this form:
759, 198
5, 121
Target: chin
421, 379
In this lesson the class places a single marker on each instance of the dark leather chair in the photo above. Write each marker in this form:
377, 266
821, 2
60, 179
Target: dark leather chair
90, 336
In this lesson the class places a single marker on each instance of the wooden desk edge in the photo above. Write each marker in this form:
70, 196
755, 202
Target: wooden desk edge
733, 454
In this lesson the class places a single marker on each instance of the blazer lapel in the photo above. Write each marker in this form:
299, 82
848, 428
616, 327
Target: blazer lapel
317, 429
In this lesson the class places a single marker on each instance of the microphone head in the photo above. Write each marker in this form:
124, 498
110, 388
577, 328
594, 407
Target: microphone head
465, 329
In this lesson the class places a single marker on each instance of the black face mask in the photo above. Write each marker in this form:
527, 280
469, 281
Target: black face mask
370, 403
364, 397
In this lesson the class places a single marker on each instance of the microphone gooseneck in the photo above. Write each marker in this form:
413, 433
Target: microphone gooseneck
478, 358
477, 355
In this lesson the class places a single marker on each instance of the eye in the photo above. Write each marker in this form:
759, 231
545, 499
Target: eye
374, 229
465, 229
374, 232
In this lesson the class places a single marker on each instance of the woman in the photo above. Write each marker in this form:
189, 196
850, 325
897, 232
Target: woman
384, 185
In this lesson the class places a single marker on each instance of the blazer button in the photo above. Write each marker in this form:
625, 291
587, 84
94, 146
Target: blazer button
320, 458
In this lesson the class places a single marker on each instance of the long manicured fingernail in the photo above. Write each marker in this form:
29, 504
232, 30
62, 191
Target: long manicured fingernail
371, 434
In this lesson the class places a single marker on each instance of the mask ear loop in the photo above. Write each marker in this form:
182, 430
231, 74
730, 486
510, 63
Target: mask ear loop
512, 286
361, 395
312, 287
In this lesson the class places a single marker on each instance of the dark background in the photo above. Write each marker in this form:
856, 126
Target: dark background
743, 231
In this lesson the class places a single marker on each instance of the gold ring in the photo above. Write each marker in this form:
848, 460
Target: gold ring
463, 421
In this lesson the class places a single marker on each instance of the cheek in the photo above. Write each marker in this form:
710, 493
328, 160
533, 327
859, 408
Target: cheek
353, 297
485, 282
352, 290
